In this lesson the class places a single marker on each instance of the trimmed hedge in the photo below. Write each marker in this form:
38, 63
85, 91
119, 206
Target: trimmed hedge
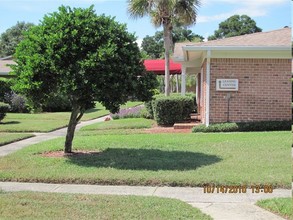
186, 108
4, 108
245, 126
171, 109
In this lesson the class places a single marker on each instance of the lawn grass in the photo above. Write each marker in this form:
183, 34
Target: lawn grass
117, 131
159, 159
125, 123
6, 138
279, 206
32, 205
45, 122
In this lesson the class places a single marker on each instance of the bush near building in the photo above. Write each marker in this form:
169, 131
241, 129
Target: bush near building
245, 126
171, 109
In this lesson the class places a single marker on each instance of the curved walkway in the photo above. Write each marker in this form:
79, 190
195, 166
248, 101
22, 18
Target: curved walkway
219, 206
40, 137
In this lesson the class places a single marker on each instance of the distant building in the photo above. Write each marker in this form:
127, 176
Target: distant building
4, 66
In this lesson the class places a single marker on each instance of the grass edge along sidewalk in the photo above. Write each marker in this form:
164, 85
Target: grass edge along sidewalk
7, 138
43, 205
279, 206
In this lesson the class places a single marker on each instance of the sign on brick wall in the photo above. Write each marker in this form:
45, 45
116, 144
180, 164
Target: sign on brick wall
227, 85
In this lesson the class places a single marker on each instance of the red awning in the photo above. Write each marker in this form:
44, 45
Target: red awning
158, 67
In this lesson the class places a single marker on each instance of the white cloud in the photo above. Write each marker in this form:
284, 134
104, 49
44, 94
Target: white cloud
219, 17
224, 16
262, 3
252, 8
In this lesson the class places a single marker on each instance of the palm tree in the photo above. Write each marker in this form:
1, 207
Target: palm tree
166, 13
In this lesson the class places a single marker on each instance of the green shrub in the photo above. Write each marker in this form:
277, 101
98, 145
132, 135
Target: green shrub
168, 110
149, 108
145, 114
5, 88
245, 126
4, 108
224, 127
57, 103
189, 104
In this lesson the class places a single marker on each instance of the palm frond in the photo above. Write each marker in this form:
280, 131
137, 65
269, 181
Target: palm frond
139, 8
185, 11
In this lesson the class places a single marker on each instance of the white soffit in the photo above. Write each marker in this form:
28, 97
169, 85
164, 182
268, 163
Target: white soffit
192, 53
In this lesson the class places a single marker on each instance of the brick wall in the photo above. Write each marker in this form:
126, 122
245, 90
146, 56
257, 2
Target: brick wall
264, 90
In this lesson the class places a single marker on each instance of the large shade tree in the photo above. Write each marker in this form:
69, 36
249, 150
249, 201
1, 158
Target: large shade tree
234, 26
86, 57
166, 13
11, 38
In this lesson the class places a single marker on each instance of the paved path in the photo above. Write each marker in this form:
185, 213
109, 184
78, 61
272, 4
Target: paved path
39, 137
219, 206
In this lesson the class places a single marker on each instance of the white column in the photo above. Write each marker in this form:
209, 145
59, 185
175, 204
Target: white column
208, 82
177, 86
183, 81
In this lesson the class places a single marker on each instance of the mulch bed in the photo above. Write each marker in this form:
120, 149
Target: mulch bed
78, 153
158, 129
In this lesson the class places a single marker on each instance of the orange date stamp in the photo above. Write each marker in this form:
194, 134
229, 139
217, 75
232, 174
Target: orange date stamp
238, 189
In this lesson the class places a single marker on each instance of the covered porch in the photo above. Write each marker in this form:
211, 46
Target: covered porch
176, 72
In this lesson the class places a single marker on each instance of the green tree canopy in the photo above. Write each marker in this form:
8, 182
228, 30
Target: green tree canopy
180, 34
234, 26
86, 57
154, 45
11, 38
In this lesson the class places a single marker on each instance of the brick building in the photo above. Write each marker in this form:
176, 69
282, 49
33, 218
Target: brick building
240, 79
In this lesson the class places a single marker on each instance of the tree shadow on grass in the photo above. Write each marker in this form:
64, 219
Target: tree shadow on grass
10, 123
145, 159
93, 110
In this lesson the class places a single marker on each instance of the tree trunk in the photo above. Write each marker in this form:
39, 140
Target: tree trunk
167, 43
74, 118
171, 83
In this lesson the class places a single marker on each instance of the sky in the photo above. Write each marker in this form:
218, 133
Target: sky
268, 14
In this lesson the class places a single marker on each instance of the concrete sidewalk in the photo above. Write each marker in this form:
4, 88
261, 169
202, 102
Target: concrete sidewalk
40, 137
218, 205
